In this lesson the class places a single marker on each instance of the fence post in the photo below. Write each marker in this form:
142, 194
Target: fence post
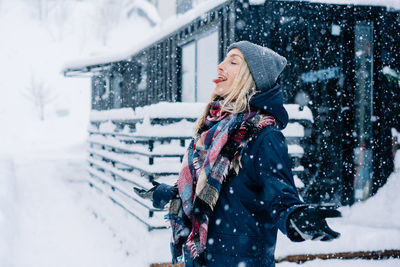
151, 145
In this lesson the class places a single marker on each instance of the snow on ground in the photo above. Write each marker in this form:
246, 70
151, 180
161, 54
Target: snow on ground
52, 228
344, 263
46, 212
366, 226
50, 217
382, 210
7, 208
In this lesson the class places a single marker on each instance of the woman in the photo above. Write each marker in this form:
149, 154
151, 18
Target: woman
235, 188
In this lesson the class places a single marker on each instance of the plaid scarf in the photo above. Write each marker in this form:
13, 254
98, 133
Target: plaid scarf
213, 153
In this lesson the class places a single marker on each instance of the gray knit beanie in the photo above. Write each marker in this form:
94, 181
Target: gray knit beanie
265, 65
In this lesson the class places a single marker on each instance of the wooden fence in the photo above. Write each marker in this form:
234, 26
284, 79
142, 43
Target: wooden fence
119, 160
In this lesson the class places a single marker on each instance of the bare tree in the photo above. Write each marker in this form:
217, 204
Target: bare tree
109, 15
42, 8
57, 19
40, 95
39, 8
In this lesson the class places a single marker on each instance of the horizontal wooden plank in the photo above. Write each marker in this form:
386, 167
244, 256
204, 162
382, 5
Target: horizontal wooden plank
167, 265
133, 151
128, 193
159, 170
376, 255
133, 208
142, 137
127, 176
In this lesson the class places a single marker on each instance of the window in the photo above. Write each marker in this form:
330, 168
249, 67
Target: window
116, 88
199, 67
188, 72
364, 109
142, 83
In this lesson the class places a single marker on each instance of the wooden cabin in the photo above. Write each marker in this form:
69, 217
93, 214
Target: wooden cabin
336, 56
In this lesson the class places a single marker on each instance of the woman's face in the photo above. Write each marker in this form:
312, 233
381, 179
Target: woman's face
227, 72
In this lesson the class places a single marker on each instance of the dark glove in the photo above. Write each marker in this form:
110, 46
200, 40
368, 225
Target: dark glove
147, 194
308, 223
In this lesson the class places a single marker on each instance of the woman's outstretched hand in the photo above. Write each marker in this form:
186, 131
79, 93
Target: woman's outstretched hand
308, 223
160, 194
147, 194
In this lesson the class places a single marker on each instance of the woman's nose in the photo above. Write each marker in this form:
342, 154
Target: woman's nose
220, 67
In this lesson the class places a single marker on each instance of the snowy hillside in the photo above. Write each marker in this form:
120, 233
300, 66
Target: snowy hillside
45, 214
42, 38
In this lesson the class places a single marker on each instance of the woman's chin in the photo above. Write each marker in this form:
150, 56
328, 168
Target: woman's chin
218, 91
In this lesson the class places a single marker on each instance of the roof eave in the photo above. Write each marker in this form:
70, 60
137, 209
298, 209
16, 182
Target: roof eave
86, 71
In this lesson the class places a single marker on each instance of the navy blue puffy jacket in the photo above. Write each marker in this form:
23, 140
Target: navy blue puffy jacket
255, 203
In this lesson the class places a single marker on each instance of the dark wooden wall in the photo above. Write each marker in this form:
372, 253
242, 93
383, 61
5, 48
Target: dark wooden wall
301, 32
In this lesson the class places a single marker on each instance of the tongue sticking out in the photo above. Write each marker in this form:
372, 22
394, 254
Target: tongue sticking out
218, 80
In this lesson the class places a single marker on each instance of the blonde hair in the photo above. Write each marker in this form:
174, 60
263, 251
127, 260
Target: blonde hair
237, 101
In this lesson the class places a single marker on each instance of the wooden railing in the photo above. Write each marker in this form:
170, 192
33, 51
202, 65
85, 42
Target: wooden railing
301, 258
115, 169
119, 161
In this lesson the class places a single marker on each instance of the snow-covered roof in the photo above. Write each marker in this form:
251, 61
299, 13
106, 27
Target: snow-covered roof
174, 23
164, 29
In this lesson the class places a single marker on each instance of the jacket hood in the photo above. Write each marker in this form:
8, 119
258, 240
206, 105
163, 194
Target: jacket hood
271, 101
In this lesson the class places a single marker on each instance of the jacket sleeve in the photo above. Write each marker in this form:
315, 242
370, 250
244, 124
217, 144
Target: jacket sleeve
273, 171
